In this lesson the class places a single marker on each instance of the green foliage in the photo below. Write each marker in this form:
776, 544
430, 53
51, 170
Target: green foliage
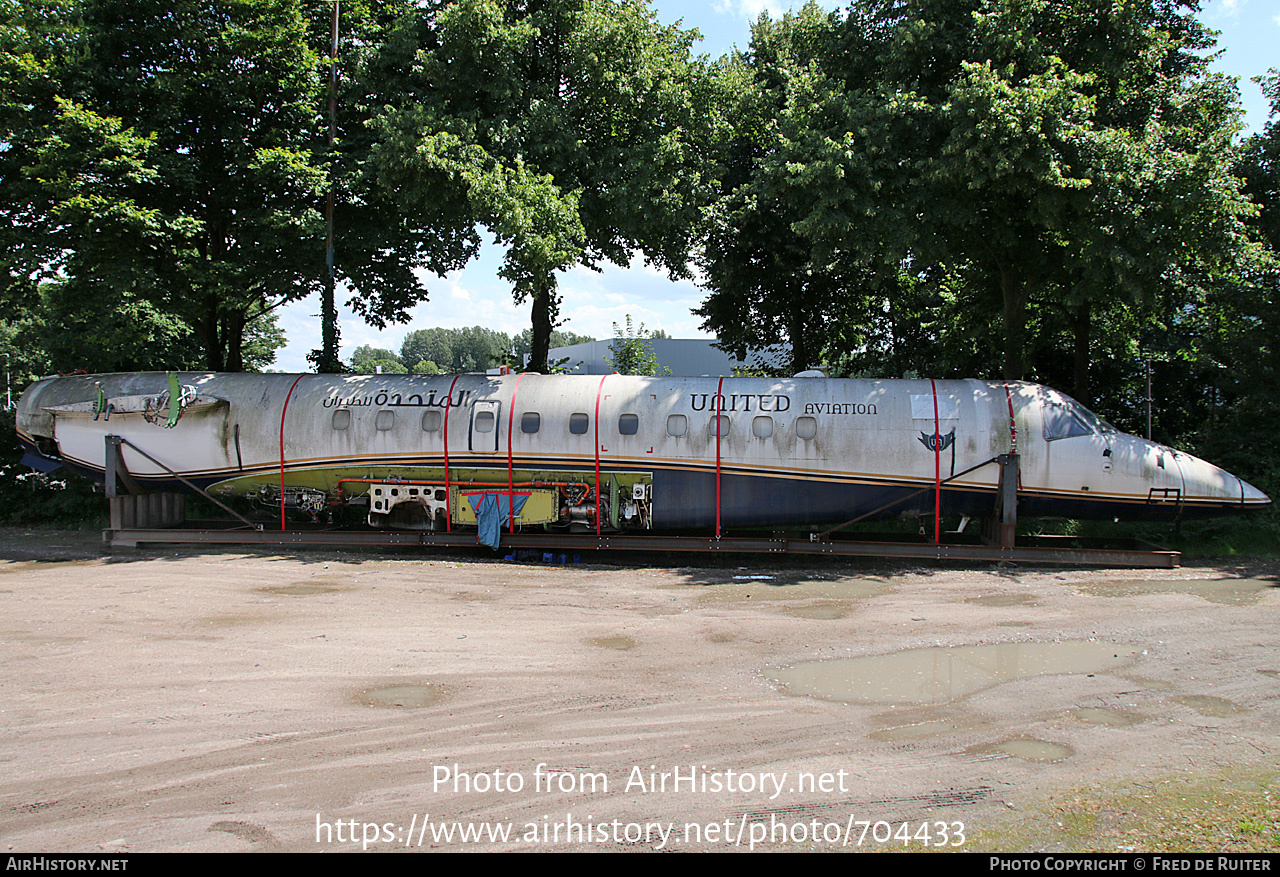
473, 349
161, 158
381, 366
30, 497
570, 129
366, 357
631, 353
192, 191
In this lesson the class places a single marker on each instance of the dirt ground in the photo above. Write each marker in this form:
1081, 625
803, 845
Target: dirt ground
233, 700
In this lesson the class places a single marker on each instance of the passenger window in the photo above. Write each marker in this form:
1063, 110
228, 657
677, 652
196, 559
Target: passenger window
484, 421
806, 427
723, 427
578, 424
530, 422
431, 421
341, 418
385, 420
677, 424
628, 424
762, 427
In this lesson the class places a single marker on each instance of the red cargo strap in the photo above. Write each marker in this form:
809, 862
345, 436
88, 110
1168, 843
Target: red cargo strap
937, 468
716, 407
511, 479
599, 504
282, 413
448, 403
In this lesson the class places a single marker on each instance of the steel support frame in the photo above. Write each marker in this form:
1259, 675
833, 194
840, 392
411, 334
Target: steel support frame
1143, 556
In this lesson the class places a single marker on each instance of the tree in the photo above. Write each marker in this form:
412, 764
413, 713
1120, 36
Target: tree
472, 349
522, 344
1040, 162
177, 162
35, 35
384, 243
1081, 154
177, 151
631, 352
772, 281
1234, 340
366, 357
569, 128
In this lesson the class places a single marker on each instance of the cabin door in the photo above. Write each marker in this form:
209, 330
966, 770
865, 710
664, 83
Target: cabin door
483, 435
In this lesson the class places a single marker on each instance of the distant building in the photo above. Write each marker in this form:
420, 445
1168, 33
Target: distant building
684, 357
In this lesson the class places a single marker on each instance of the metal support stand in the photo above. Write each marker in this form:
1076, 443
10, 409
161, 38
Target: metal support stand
1002, 527
138, 507
117, 471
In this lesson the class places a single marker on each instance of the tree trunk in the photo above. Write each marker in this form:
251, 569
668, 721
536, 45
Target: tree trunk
542, 325
1081, 327
210, 336
234, 335
329, 363
796, 329
1015, 321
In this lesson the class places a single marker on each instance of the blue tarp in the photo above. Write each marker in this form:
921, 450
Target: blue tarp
493, 512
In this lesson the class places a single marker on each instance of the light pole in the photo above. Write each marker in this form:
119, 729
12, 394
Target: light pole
1148, 400
328, 305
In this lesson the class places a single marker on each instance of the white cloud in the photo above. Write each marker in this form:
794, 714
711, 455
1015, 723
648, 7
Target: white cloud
750, 10
1224, 11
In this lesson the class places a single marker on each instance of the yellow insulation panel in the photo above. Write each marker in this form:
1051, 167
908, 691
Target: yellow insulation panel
542, 507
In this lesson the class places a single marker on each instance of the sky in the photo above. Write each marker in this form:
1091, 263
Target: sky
592, 302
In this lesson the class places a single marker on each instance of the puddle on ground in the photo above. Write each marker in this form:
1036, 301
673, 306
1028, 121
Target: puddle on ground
1105, 716
403, 696
727, 590
722, 637
1002, 600
1014, 624
1229, 591
829, 610
940, 674
306, 589
1272, 673
1026, 748
1149, 684
620, 643
1207, 705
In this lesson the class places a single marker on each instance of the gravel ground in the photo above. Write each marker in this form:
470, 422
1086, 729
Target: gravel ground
228, 700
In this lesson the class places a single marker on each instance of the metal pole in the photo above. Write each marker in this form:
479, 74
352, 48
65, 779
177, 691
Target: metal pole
1148, 400
328, 306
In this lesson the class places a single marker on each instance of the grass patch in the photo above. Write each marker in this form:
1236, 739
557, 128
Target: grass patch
1234, 811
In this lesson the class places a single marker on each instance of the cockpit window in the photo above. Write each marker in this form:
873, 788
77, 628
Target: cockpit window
1098, 424
1061, 422
1064, 417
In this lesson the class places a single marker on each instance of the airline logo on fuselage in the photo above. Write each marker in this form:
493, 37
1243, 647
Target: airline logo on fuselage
740, 402
384, 399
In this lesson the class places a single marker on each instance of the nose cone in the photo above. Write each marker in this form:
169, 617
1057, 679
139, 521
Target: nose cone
1217, 491
1251, 497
